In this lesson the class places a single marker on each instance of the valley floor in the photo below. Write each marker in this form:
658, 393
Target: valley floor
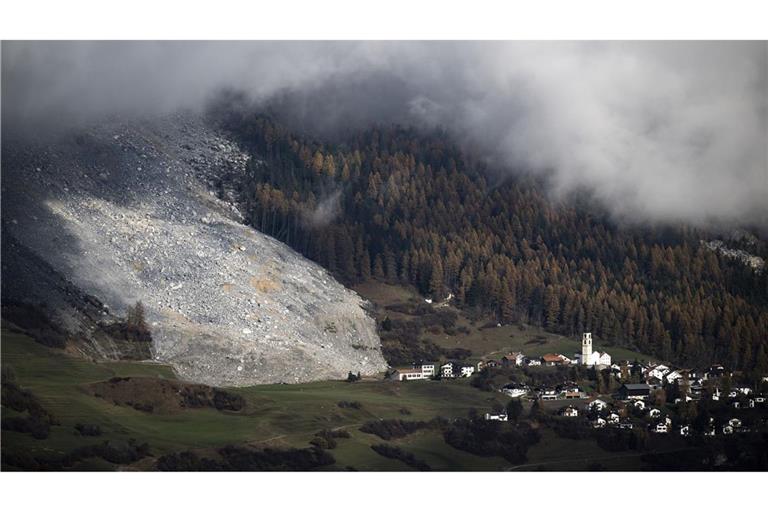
278, 416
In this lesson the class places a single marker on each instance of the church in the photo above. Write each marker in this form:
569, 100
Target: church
588, 357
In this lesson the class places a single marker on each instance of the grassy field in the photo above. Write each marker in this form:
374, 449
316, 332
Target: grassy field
288, 415
275, 415
489, 342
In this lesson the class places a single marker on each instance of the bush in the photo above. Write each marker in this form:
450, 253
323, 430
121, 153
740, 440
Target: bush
393, 429
88, 430
394, 452
245, 459
349, 405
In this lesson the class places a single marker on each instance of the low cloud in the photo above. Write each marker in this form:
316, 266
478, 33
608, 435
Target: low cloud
661, 131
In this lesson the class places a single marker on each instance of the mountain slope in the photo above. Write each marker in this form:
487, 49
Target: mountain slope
126, 213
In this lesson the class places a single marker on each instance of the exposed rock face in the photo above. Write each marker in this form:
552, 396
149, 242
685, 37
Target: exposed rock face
126, 213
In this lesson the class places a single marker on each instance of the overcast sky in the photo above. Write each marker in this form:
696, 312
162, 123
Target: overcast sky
656, 131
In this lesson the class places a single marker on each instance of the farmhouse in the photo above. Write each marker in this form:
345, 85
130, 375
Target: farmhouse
569, 412
634, 391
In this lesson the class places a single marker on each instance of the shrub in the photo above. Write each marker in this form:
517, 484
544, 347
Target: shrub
394, 452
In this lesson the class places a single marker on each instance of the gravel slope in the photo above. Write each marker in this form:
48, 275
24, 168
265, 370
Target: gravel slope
127, 212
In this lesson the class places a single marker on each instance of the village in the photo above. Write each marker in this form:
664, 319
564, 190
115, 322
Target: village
593, 391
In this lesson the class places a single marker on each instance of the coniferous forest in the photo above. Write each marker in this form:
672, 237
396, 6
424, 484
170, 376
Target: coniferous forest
400, 206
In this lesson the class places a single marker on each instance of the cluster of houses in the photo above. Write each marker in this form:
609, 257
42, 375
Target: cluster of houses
633, 400
452, 370
428, 370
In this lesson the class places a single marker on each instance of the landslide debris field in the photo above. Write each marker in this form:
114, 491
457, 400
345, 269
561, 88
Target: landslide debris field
124, 212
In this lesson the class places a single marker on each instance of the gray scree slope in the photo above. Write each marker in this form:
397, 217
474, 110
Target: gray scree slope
126, 212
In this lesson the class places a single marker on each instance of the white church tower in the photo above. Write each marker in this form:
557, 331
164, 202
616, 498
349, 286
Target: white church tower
586, 348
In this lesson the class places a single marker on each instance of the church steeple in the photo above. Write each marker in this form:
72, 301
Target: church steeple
586, 347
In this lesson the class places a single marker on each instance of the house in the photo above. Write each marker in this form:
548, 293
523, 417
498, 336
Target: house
446, 371
661, 428
569, 412
532, 362
513, 359
514, 390
735, 423
727, 430
501, 416
639, 404
745, 390
626, 425
572, 392
428, 369
599, 423
673, 376
554, 359
634, 391
487, 364
597, 405
685, 430
654, 413
548, 394
466, 370
613, 419
658, 372
413, 373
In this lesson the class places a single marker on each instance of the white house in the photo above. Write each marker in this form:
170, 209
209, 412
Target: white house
658, 371
599, 423
673, 376
467, 370
661, 428
446, 371
428, 369
570, 412
613, 419
735, 423
639, 404
409, 374
548, 394
685, 430
654, 413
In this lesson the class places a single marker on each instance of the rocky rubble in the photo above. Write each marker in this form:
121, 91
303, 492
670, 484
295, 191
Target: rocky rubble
146, 211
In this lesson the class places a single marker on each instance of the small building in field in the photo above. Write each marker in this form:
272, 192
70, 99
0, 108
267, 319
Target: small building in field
501, 416
569, 412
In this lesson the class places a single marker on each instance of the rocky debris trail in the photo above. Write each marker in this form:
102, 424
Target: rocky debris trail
128, 211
